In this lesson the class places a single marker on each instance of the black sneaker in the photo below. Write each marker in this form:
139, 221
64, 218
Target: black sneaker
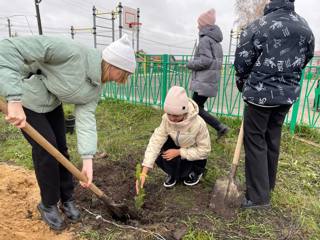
248, 204
169, 182
192, 179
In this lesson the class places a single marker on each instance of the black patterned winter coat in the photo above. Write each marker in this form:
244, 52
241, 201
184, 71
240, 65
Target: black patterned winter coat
207, 63
272, 53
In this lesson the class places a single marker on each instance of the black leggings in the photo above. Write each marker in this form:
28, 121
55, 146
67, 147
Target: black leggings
207, 117
177, 167
55, 181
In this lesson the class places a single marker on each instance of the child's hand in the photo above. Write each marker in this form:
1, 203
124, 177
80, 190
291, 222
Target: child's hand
171, 154
142, 181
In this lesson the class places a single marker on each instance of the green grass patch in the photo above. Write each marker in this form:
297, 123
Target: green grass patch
124, 130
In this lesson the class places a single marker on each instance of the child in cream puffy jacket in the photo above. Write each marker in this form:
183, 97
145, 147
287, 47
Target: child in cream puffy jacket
181, 144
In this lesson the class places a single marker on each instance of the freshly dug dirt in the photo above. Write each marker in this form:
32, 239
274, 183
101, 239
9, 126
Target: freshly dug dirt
19, 217
162, 212
162, 208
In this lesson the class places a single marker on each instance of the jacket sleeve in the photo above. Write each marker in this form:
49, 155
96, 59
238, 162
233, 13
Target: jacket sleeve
248, 51
310, 52
205, 58
10, 84
11, 65
202, 148
86, 129
158, 138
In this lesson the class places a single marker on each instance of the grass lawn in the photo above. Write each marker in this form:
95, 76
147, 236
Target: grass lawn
124, 130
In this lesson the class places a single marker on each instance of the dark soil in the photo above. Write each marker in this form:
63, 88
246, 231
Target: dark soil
163, 209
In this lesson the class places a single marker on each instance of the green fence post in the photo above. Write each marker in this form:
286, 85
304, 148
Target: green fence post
295, 109
164, 79
316, 103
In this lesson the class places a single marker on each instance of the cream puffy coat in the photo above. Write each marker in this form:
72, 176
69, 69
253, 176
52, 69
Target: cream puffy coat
191, 135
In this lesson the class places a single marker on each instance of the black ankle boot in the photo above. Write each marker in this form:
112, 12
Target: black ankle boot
70, 210
51, 215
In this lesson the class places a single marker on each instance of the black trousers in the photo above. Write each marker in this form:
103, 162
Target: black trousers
55, 181
262, 137
207, 117
177, 167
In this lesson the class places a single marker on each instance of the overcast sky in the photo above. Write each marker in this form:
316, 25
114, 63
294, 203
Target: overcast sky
168, 26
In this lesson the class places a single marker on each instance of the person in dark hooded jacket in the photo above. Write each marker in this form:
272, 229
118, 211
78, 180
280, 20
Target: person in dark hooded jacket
206, 67
272, 53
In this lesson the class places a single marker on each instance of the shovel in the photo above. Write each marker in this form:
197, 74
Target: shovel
226, 192
117, 211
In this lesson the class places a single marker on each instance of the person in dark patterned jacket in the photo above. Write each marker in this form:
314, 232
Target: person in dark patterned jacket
271, 55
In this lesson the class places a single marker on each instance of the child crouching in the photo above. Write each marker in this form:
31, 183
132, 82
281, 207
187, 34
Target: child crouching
181, 144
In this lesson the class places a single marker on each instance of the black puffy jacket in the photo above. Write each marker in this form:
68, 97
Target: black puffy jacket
271, 55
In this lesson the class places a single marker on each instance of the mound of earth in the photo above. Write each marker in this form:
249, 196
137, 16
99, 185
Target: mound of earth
19, 217
163, 209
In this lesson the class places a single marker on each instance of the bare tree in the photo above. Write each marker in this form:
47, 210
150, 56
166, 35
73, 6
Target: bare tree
248, 10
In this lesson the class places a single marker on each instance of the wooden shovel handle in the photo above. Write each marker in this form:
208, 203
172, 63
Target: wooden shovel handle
237, 151
37, 137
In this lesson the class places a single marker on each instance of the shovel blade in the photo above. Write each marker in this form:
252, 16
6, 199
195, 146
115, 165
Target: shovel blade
225, 198
119, 212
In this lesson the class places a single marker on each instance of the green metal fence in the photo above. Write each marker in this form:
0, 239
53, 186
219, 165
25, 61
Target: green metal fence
155, 74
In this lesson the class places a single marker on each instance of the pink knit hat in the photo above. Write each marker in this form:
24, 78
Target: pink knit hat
177, 101
207, 18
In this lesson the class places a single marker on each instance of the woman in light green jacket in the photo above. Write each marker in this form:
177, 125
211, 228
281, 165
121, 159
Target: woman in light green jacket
37, 74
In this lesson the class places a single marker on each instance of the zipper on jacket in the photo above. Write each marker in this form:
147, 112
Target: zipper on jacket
177, 138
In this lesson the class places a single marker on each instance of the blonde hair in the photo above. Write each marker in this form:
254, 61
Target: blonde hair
106, 68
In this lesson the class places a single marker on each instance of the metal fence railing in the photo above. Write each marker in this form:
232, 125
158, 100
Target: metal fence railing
155, 74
